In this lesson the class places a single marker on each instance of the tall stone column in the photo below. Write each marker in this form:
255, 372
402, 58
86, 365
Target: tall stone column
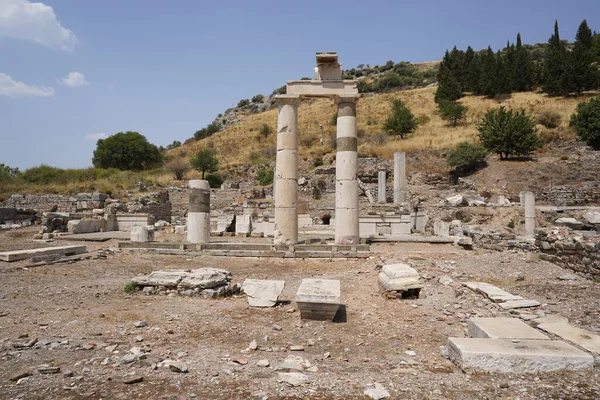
400, 183
529, 200
286, 171
198, 220
346, 185
381, 187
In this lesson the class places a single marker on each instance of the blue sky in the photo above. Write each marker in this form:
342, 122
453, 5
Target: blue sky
75, 70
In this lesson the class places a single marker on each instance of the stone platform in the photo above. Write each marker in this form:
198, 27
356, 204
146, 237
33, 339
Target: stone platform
206, 282
17, 255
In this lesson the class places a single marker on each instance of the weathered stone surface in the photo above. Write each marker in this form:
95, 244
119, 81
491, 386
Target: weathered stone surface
205, 278
522, 356
318, 298
24, 254
141, 234
592, 217
262, 293
492, 292
455, 201
169, 278
511, 304
581, 337
502, 328
570, 222
293, 378
84, 225
376, 391
399, 277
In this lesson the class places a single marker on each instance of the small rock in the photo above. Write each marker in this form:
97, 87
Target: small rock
520, 276
410, 353
253, 345
242, 360
445, 280
47, 369
504, 385
293, 378
376, 391
19, 375
297, 348
68, 374
276, 327
568, 277
133, 379
311, 342
263, 363
111, 348
139, 338
141, 324
178, 366
327, 355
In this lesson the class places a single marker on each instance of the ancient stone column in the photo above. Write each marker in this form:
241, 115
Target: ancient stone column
346, 185
400, 184
198, 220
529, 198
286, 171
381, 189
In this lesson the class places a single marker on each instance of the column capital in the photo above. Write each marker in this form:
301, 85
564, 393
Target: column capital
292, 99
346, 98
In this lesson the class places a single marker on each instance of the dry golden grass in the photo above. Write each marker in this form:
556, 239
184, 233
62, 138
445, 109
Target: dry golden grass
235, 144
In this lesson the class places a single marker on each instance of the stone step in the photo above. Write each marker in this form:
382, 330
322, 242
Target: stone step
581, 337
516, 356
502, 328
17, 255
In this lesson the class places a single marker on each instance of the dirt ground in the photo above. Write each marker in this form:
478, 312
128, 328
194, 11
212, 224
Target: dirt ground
76, 310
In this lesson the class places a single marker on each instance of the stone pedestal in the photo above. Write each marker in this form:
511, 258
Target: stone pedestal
529, 200
381, 189
400, 183
286, 171
198, 220
318, 299
346, 187
142, 234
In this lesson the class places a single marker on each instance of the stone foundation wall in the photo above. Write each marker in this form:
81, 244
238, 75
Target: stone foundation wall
570, 195
578, 253
41, 203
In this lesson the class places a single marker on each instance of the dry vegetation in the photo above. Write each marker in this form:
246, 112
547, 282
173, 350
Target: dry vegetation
236, 144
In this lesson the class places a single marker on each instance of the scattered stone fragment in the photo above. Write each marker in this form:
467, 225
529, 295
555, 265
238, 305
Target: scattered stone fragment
140, 324
502, 328
509, 305
504, 385
494, 293
111, 348
568, 277
178, 366
19, 375
276, 327
133, 379
262, 293
410, 353
445, 280
293, 378
569, 222
253, 345
327, 355
376, 391
296, 348
139, 338
48, 369
263, 363
242, 360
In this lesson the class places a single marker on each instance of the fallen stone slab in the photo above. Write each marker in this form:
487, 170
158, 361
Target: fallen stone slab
169, 278
592, 217
492, 292
512, 304
17, 255
262, 293
318, 299
516, 356
581, 337
205, 278
569, 222
502, 328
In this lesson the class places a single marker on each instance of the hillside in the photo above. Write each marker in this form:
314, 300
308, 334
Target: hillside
241, 144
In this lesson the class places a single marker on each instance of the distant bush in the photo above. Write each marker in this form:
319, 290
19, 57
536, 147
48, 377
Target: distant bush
467, 157
586, 120
308, 139
377, 139
243, 103
281, 90
214, 180
210, 130
265, 176
7, 173
265, 130
334, 118
452, 111
259, 98
178, 167
205, 160
550, 119
174, 145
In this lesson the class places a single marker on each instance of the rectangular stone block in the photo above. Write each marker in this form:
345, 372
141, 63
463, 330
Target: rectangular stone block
509, 305
522, 356
17, 255
399, 277
586, 339
318, 299
494, 293
502, 328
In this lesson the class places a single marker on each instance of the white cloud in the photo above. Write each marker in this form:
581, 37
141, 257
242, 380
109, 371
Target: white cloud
74, 79
21, 19
11, 88
96, 136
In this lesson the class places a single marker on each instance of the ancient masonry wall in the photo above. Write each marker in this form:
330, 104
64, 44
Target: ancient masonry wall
570, 195
577, 253
41, 203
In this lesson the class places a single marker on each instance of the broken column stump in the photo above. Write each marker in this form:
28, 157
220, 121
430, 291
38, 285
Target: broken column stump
318, 299
400, 281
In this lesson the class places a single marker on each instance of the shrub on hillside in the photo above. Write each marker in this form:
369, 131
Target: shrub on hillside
586, 121
178, 167
243, 103
205, 160
452, 111
507, 132
265, 130
401, 121
265, 176
308, 139
259, 98
7, 173
467, 157
214, 180
549, 119
209, 130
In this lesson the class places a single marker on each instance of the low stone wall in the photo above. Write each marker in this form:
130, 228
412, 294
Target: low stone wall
16, 216
41, 202
571, 196
581, 254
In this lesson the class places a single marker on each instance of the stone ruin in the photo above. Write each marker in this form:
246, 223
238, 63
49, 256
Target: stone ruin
205, 282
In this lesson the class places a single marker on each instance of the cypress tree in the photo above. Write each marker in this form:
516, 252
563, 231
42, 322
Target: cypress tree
472, 71
502, 81
448, 86
555, 66
584, 73
522, 69
489, 69
510, 70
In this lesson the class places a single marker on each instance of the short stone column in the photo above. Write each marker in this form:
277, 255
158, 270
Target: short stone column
286, 171
529, 200
381, 187
400, 183
346, 185
198, 220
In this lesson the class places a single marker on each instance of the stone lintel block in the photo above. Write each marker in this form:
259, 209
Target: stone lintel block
399, 277
517, 356
318, 299
170, 278
289, 98
502, 328
17, 255
581, 337
319, 88
346, 98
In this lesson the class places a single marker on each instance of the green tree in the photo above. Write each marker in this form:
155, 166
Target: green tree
243, 103
452, 111
7, 172
205, 160
265, 130
259, 98
126, 151
209, 130
401, 121
555, 72
586, 120
488, 80
449, 87
522, 68
507, 132
472, 67
466, 157
174, 145
584, 71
